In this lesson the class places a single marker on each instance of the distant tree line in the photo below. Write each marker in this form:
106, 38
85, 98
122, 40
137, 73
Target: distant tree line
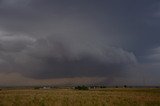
81, 87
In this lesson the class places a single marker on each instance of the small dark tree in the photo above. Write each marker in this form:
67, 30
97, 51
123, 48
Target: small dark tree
82, 87
36, 87
125, 86
102, 86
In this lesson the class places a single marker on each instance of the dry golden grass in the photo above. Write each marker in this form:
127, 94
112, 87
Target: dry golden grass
68, 97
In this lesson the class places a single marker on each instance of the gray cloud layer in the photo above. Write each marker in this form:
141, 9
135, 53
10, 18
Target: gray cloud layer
45, 39
52, 56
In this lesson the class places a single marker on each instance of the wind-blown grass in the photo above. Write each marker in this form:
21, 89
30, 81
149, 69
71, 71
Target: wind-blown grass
69, 97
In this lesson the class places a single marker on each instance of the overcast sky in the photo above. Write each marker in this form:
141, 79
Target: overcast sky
68, 42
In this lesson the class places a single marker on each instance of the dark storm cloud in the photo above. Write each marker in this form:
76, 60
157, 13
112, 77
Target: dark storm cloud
62, 61
51, 57
76, 38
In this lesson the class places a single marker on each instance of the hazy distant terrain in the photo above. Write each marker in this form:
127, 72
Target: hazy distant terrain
70, 97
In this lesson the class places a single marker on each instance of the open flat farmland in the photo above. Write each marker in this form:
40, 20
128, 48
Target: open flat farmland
71, 97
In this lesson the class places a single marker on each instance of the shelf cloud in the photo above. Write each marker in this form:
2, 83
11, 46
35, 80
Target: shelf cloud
51, 39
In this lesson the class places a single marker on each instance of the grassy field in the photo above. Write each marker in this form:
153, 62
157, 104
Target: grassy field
69, 97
